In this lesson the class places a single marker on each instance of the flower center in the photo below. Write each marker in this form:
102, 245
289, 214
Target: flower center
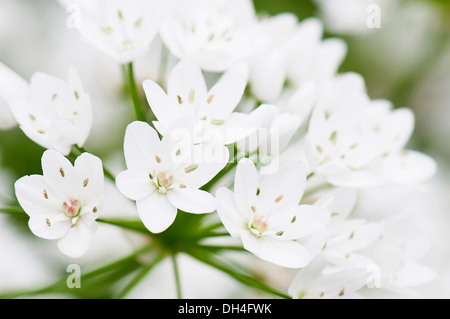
71, 207
259, 225
164, 181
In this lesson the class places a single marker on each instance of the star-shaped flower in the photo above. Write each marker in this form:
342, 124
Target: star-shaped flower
65, 201
122, 29
162, 177
265, 213
213, 33
55, 114
212, 110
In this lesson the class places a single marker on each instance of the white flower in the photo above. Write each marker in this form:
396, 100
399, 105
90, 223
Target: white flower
55, 114
274, 132
400, 253
64, 203
122, 29
212, 110
161, 178
214, 33
11, 86
343, 239
269, 61
317, 281
265, 213
353, 141
310, 58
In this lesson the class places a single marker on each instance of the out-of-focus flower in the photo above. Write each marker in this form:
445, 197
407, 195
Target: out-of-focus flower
353, 141
122, 29
64, 203
312, 58
355, 16
317, 281
343, 238
11, 86
162, 177
55, 114
214, 33
265, 213
212, 110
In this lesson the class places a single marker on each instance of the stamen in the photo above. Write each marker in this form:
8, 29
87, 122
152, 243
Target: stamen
253, 208
217, 122
280, 233
319, 149
107, 30
120, 14
182, 186
158, 159
192, 96
293, 219
341, 293
257, 191
180, 100
210, 98
54, 96
41, 131
61, 171
279, 198
77, 96
190, 168
85, 182
322, 294
32, 117
138, 22
94, 210
44, 192
48, 222
333, 137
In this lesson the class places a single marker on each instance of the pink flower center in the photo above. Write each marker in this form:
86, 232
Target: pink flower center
165, 179
71, 207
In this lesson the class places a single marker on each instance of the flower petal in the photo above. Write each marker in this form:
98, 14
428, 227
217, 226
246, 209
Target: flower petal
233, 221
140, 144
135, 184
288, 254
77, 240
192, 200
156, 212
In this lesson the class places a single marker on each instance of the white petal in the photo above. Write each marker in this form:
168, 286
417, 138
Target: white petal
233, 221
36, 197
77, 240
287, 254
228, 91
141, 142
246, 185
413, 275
284, 188
268, 75
164, 111
339, 202
51, 227
60, 175
408, 167
297, 222
62, 135
213, 61
186, 82
90, 172
156, 212
192, 200
210, 160
135, 184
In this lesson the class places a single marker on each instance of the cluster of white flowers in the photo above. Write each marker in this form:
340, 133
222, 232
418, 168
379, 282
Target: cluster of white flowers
249, 93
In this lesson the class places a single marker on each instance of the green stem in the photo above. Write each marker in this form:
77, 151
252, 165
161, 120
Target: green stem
246, 280
61, 285
141, 275
133, 91
177, 275
136, 226
12, 210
